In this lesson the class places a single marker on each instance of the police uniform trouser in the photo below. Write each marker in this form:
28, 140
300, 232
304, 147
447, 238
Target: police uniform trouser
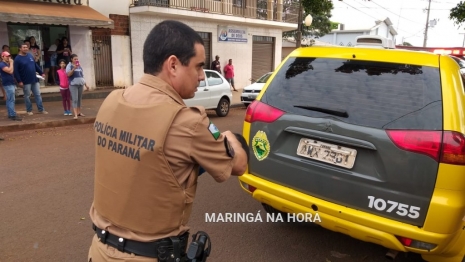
100, 252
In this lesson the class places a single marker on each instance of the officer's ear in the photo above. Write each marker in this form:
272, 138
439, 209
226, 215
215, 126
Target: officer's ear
171, 64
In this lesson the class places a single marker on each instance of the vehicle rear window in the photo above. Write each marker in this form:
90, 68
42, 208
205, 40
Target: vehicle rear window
373, 94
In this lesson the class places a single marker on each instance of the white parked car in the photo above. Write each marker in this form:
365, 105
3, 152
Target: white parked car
213, 93
250, 93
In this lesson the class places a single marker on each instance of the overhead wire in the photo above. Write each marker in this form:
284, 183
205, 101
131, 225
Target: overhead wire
370, 15
395, 13
413, 35
360, 10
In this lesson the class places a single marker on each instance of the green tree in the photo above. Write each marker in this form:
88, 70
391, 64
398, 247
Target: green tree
457, 14
320, 10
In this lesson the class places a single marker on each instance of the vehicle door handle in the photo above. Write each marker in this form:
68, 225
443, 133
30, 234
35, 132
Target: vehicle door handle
206, 89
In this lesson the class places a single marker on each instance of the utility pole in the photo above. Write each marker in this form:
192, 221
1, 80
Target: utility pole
427, 25
299, 26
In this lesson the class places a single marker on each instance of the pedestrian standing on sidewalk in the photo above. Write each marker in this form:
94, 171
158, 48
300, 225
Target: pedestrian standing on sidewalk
229, 74
6, 74
64, 50
5, 48
25, 72
52, 52
216, 65
76, 84
35, 50
64, 87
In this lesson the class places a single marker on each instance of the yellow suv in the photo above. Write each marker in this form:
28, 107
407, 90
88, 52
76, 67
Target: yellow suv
369, 140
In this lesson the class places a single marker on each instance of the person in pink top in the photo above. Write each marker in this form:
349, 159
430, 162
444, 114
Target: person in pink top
64, 87
229, 74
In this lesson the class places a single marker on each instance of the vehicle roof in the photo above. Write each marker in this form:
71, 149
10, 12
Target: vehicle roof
361, 53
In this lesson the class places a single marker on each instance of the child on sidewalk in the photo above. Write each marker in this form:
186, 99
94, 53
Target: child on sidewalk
64, 87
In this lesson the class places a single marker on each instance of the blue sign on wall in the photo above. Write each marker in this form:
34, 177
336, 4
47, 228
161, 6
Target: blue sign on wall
232, 34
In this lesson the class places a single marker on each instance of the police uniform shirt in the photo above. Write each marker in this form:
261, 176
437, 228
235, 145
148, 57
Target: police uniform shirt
189, 142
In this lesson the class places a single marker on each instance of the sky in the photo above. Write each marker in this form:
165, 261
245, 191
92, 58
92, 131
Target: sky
408, 18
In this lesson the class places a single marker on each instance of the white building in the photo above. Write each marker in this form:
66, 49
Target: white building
50, 20
248, 32
344, 37
290, 44
108, 35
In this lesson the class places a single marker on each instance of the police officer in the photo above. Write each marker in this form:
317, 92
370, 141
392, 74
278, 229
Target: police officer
149, 149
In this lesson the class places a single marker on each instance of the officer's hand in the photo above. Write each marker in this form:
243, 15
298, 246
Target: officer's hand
240, 155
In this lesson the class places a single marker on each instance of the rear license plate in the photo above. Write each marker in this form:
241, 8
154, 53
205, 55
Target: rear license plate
328, 153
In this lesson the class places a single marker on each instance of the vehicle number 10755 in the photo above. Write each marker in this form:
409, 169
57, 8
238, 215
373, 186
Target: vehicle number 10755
389, 206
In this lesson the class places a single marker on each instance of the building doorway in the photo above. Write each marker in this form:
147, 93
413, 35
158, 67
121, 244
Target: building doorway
45, 36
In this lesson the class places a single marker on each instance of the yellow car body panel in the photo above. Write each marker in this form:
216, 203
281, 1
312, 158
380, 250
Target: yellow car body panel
445, 220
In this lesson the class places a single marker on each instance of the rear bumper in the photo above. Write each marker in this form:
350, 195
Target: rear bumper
357, 224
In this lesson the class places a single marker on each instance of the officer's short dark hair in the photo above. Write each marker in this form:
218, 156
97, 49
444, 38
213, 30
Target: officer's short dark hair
3, 47
166, 39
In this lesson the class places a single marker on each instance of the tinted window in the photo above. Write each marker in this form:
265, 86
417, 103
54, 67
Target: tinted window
372, 94
213, 78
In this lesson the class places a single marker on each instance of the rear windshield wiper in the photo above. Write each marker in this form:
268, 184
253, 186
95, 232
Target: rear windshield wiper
335, 112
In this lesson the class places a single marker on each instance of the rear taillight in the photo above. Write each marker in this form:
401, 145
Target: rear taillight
408, 242
445, 147
423, 142
259, 111
453, 149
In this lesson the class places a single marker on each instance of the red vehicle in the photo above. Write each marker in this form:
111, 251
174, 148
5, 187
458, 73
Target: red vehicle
457, 53
452, 51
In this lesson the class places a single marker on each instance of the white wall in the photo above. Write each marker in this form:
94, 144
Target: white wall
383, 31
121, 59
341, 37
81, 42
107, 7
3, 35
240, 53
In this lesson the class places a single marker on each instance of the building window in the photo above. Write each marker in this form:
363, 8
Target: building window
239, 3
204, 35
257, 38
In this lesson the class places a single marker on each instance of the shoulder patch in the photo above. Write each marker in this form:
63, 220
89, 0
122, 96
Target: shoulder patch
214, 130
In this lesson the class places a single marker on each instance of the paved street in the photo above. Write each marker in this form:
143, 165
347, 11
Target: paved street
46, 190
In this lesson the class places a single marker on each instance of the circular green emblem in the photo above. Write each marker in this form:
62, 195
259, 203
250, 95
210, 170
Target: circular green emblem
260, 145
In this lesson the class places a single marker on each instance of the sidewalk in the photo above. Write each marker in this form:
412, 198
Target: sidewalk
52, 103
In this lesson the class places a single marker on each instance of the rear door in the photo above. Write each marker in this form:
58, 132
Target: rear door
202, 96
216, 85
357, 133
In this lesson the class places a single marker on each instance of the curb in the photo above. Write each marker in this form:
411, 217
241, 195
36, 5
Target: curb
47, 124
61, 123
53, 97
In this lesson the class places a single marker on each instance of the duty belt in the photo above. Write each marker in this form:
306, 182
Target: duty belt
146, 249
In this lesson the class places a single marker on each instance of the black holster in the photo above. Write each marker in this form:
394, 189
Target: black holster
200, 247
175, 252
